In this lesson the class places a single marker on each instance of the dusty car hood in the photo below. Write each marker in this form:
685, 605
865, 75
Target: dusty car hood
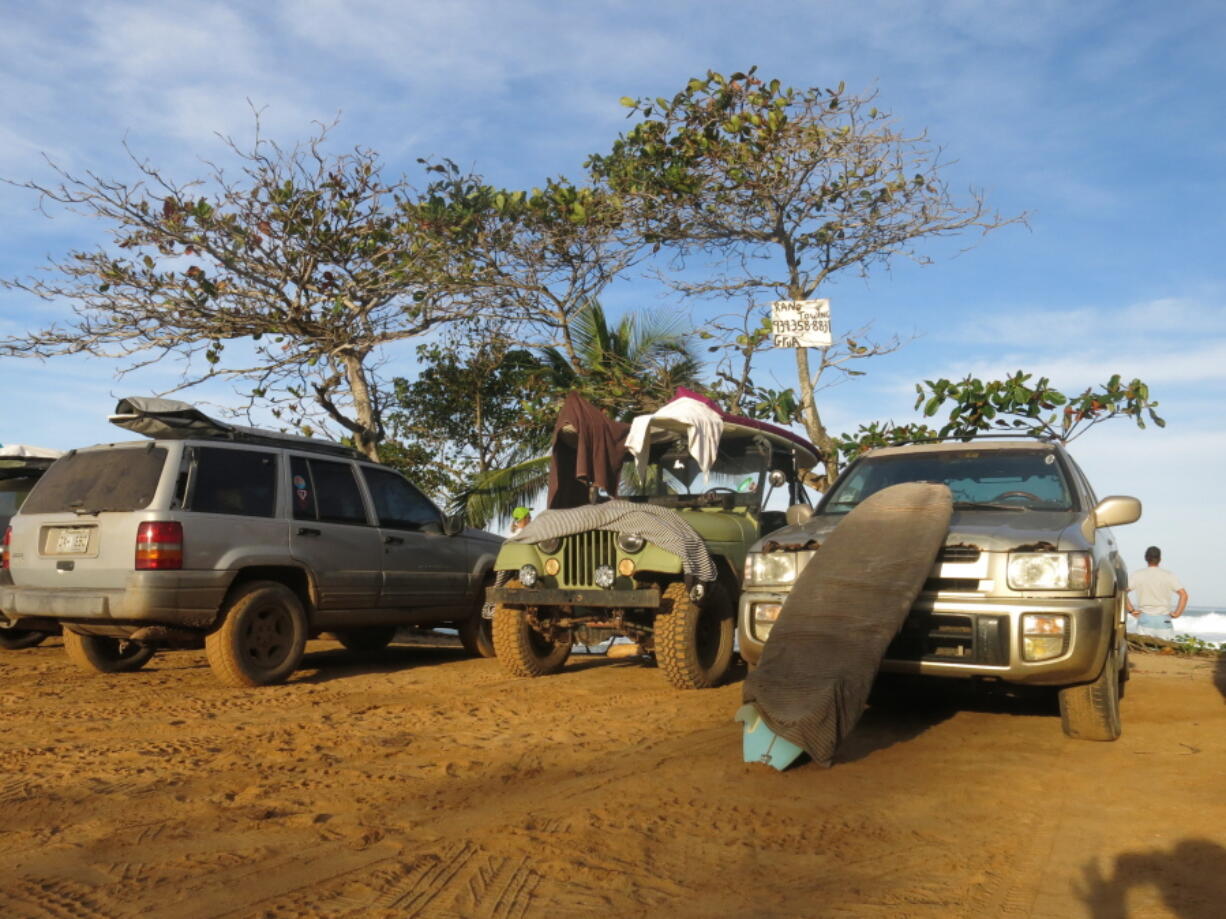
998, 531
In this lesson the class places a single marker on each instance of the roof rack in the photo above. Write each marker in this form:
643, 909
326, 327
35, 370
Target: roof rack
169, 419
986, 435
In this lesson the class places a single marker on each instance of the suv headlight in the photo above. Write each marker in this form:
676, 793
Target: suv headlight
771, 567
1049, 570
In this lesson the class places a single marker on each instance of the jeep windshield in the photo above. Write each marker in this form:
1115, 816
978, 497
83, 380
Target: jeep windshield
978, 479
673, 478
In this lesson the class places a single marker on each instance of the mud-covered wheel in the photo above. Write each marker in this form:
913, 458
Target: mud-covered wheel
477, 632
99, 654
1091, 711
693, 641
16, 639
521, 648
261, 636
367, 641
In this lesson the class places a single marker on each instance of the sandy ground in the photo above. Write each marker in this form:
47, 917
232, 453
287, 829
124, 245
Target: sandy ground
421, 783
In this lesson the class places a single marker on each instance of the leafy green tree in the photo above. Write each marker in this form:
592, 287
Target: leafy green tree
472, 408
785, 188
628, 368
311, 263
1013, 405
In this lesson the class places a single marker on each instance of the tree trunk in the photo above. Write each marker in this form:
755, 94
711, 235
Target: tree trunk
366, 438
812, 418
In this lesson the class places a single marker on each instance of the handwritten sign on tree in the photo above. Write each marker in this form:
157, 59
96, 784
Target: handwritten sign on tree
800, 324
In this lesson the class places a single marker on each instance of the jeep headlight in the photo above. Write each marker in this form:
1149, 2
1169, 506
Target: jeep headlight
771, 568
1049, 570
631, 542
550, 546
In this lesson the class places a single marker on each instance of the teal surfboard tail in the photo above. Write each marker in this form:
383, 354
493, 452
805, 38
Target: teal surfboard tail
762, 745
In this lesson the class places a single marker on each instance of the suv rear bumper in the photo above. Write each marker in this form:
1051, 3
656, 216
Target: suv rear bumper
187, 599
979, 638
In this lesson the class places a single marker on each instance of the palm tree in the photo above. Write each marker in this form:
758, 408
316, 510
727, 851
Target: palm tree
630, 369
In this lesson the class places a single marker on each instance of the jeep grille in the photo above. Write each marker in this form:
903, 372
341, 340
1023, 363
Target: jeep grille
582, 553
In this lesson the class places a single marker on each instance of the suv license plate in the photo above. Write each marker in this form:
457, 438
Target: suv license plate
70, 542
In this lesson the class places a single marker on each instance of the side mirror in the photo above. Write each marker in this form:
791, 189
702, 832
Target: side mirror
798, 514
1117, 510
453, 525
777, 477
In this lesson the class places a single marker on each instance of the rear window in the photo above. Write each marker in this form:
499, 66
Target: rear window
118, 479
13, 492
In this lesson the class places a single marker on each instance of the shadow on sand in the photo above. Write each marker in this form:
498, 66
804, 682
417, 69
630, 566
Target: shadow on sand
900, 708
1191, 879
337, 663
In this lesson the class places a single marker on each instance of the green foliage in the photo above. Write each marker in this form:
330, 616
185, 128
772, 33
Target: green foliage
1015, 404
1012, 405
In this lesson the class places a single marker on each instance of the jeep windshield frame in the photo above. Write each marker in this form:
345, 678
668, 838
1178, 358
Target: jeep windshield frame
737, 478
995, 479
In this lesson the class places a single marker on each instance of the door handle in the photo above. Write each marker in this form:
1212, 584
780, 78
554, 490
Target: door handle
309, 531
393, 541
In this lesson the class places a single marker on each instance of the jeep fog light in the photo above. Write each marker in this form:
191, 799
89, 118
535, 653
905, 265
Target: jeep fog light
1049, 570
770, 568
552, 566
603, 576
764, 617
1043, 636
527, 575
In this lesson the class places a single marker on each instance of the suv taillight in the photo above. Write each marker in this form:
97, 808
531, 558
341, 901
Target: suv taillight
159, 546
4, 547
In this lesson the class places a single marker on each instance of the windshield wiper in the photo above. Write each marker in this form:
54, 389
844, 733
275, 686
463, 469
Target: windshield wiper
988, 505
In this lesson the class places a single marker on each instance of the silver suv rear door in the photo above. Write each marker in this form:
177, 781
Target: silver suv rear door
332, 533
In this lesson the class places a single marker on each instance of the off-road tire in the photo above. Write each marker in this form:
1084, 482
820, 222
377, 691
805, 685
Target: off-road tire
693, 641
521, 649
16, 639
477, 633
1091, 711
98, 654
368, 640
261, 637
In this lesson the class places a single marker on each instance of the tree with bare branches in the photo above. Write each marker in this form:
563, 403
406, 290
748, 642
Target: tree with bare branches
786, 188
293, 275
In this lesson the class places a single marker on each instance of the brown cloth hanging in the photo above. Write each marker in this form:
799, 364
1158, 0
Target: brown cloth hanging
593, 458
823, 653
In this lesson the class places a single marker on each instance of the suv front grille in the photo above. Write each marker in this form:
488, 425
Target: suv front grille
953, 639
960, 554
583, 553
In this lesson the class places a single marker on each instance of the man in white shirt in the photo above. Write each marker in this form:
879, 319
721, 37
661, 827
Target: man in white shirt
1149, 597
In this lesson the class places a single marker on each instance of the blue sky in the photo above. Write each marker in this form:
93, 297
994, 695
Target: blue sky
1105, 121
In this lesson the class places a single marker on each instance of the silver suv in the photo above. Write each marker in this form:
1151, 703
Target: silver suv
248, 542
1029, 588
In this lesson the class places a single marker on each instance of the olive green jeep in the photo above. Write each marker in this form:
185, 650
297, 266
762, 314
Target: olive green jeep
660, 563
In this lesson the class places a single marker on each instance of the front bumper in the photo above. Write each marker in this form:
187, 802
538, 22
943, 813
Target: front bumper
978, 637
184, 599
593, 597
